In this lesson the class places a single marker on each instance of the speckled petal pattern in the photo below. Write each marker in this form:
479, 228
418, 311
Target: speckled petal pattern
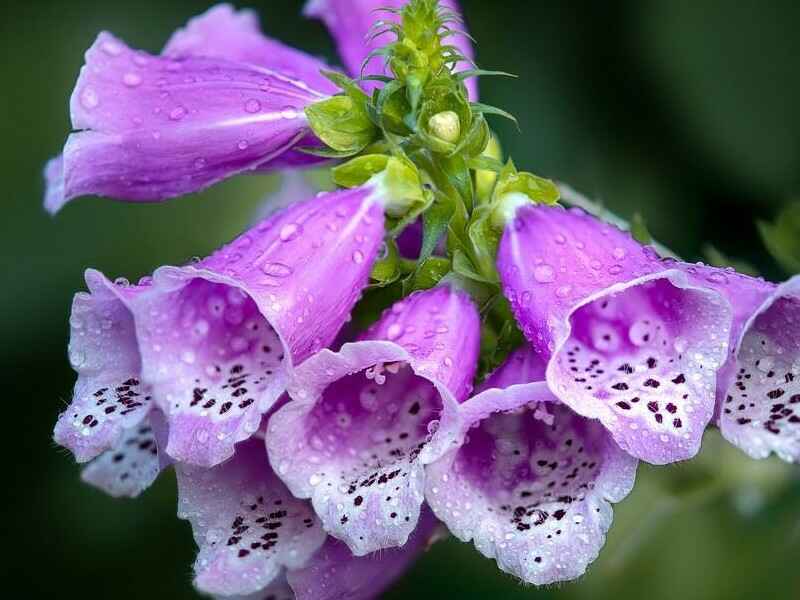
629, 339
220, 337
363, 421
247, 525
531, 483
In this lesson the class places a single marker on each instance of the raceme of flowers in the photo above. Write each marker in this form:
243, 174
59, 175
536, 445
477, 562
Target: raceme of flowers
311, 382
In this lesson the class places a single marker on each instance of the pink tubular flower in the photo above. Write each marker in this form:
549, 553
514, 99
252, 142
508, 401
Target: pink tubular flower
221, 99
254, 535
362, 422
529, 481
212, 344
628, 339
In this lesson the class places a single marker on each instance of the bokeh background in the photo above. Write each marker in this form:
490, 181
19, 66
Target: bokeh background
683, 110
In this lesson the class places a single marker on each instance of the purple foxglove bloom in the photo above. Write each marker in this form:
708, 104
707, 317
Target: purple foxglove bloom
530, 482
110, 400
223, 32
335, 574
218, 338
628, 339
758, 392
215, 104
351, 24
249, 528
363, 421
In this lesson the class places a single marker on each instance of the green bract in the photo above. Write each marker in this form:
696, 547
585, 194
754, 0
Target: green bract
430, 155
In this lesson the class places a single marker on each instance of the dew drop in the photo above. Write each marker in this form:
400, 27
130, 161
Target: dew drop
252, 106
358, 257
276, 269
290, 232
544, 273
89, 98
177, 113
289, 112
242, 145
132, 79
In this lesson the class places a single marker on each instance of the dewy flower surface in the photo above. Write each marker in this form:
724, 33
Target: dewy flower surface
312, 381
629, 340
363, 421
530, 481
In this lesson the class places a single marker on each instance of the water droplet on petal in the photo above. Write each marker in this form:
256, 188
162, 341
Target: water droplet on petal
132, 79
289, 112
544, 273
242, 145
358, 257
252, 106
276, 269
177, 113
89, 98
290, 232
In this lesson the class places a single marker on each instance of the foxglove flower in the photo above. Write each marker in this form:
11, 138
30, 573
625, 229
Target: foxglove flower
221, 99
362, 422
530, 481
628, 339
215, 341
356, 25
255, 538
152, 127
249, 528
758, 393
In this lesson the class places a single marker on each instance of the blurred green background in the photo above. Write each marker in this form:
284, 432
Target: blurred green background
685, 111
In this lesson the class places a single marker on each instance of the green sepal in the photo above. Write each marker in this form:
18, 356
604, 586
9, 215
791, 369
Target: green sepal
486, 109
435, 222
387, 269
342, 123
639, 230
427, 274
484, 239
359, 170
538, 189
782, 237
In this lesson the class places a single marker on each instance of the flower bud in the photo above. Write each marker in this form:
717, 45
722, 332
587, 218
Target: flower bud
446, 126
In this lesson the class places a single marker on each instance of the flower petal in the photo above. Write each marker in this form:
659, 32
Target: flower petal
335, 574
223, 32
761, 410
218, 338
247, 525
154, 128
362, 423
109, 397
350, 22
129, 468
629, 340
531, 482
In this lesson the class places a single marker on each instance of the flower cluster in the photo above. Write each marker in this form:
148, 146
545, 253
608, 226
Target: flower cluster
311, 382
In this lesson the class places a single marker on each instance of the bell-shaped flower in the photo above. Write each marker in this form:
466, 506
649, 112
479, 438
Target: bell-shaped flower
222, 99
256, 540
219, 338
758, 393
211, 344
249, 528
359, 28
530, 482
629, 339
363, 420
